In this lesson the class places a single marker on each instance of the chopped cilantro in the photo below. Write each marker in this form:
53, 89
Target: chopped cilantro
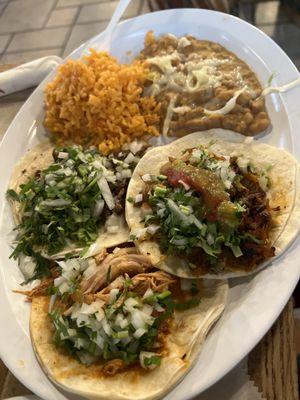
60, 202
153, 360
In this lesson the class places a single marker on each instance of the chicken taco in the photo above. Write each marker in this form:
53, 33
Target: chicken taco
66, 200
211, 205
126, 330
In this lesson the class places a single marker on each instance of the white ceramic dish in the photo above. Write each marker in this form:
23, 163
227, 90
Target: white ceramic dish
254, 303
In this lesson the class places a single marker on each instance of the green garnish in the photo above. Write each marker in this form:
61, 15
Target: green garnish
87, 340
66, 202
184, 218
115, 335
160, 191
13, 194
153, 360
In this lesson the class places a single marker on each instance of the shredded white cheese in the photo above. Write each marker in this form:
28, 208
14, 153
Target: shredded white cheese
281, 89
229, 106
169, 115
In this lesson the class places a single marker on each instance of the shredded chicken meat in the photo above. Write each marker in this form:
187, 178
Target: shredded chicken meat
42, 288
116, 264
158, 281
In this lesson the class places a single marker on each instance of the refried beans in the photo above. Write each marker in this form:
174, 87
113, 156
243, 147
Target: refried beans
194, 79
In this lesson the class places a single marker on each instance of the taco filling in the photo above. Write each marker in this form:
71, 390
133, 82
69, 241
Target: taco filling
210, 209
121, 321
125, 325
64, 205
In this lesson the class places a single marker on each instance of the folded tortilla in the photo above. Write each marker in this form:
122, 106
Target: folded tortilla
284, 192
39, 158
187, 334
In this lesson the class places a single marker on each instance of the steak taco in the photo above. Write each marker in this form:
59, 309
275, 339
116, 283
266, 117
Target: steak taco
127, 331
66, 200
211, 205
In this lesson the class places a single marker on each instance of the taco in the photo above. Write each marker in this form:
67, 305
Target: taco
125, 332
66, 200
210, 205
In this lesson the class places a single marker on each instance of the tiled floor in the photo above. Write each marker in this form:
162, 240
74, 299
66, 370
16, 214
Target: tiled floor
34, 28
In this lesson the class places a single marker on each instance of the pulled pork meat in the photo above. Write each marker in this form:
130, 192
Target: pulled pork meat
116, 264
42, 288
158, 281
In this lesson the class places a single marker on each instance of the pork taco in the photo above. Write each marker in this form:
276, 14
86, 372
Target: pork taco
211, 205
127, 331
66, 200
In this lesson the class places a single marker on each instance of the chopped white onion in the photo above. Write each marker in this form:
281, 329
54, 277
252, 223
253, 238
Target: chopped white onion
106, 327
159, 308
94, 249
130, 303
139, 332
126, 173
147, 309
148, 293
147, 178
64, 287
68, 172
98, 208
119, 176
138, 319
263, 182
72, 332
113, 295
100, 314
51, 302
100, 341
55, 203
62, 155
106, 192
138, 198
140, 233
27, 267
242, 163
112, 229
121, 321
136, 146
152, 229
210, 239
180, 242
92, 267
130, 158
58, 281
90, 308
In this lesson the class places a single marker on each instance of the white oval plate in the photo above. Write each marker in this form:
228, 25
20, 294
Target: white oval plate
254, 303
